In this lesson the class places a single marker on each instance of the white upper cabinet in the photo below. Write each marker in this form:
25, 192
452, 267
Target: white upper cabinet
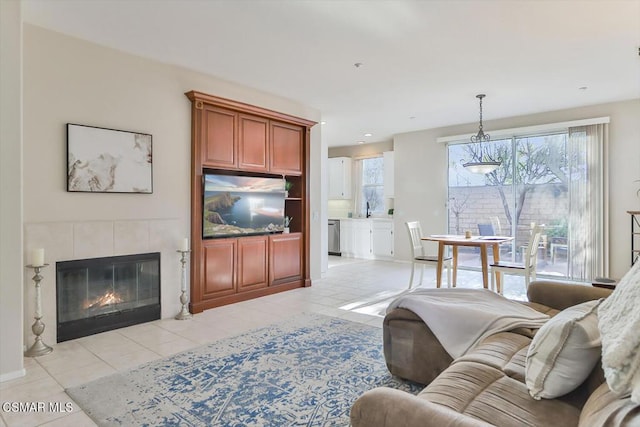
340, 178
388, 174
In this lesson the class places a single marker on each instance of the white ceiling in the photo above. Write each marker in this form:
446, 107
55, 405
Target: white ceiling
423, 62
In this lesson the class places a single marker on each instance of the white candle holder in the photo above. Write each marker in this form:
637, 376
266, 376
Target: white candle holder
184, 300
39, 348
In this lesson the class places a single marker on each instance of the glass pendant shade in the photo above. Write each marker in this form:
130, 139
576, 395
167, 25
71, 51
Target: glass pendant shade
481, 167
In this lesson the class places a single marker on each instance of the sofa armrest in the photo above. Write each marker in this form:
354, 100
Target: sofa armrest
389, 407
560, 295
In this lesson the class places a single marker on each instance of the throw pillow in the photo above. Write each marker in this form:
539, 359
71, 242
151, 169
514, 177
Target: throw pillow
563, 352
619, 322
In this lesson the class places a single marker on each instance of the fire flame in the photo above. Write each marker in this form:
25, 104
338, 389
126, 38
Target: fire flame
106, 299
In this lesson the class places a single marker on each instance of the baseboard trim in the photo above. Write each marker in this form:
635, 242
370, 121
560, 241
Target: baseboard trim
13, 375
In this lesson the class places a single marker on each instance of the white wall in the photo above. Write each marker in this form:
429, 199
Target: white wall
70, 80
11, 263
318, 252
420, 173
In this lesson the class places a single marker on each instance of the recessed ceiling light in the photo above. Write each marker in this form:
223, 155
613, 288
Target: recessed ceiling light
360, 142
368, 134
323, 122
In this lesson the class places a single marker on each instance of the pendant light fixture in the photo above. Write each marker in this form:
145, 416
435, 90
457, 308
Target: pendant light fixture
481, 166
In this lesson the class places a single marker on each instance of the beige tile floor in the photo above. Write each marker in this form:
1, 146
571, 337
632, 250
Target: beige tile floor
352, 289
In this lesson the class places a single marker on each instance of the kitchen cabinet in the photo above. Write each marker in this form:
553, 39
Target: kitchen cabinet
362, 239
339, 178
346, 237
366, 238
382, 239
388, 158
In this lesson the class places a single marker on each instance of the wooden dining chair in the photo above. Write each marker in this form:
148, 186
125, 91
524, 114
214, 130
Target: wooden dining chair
527, 268
418, 256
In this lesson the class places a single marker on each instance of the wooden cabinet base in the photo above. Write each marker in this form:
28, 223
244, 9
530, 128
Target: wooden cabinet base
244, 296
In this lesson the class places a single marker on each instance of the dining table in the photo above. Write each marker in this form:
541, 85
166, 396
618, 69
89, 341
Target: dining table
455, 241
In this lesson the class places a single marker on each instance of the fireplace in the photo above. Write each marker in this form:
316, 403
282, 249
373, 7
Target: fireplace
100, 294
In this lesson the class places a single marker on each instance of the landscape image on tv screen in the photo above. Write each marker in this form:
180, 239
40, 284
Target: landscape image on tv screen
242, 205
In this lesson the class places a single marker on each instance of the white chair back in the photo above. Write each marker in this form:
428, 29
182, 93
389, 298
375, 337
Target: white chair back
531, 254
497, 226
415, 234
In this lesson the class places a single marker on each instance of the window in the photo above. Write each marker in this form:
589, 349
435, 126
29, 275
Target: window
545, 179
370, 173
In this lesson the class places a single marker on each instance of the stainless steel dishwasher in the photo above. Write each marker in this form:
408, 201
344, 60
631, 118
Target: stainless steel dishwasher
334, 237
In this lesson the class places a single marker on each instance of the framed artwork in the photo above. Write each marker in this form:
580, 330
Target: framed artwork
103, 160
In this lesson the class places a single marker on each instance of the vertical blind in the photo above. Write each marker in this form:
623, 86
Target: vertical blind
587, 206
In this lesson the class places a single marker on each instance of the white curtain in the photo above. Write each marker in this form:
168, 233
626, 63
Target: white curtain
587, 224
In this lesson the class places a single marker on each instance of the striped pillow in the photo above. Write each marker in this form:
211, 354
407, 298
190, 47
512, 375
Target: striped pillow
563, 352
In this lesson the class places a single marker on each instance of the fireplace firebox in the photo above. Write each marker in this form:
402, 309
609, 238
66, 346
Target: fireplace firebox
101, 294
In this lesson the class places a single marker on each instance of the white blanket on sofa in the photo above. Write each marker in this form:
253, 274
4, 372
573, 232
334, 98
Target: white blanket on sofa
460, 318
619, 324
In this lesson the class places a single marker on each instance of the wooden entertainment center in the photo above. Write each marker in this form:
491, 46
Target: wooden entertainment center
232, 137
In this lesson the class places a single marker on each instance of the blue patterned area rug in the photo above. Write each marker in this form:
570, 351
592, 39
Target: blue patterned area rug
305, 372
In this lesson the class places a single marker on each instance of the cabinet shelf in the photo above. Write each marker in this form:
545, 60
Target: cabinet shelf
293, 199
635, 230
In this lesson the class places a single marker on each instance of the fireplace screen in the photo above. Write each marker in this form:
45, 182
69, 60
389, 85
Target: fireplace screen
100, 294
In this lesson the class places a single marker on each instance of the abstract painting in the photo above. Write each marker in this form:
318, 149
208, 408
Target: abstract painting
103, 160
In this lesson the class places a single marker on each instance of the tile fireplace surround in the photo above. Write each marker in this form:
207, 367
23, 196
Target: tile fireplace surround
65, 241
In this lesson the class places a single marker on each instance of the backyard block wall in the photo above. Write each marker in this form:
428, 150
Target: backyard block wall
478, 204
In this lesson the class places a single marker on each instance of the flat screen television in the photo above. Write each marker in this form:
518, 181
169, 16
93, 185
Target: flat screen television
242, 205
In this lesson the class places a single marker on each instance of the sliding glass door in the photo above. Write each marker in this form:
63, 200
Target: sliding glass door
532, 186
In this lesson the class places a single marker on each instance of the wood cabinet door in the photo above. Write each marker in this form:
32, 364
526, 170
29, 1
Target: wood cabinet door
219, 267
219, 137
252, 263
286, 258
285, 152
253, 143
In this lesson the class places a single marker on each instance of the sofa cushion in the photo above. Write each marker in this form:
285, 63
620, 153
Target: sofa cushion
488, 394
563, 352
604, 409
389, 407
506, 351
